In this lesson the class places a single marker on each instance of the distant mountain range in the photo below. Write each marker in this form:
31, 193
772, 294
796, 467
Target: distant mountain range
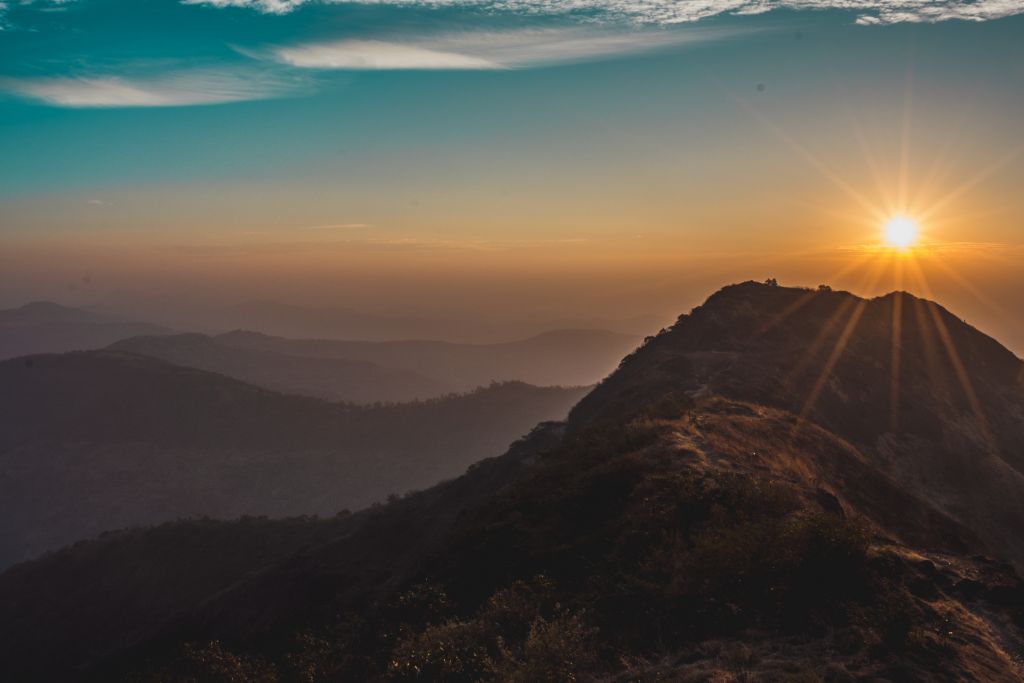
787, 485
561, 357
333, 322
92, 441
44, 327
333, 379
354, 371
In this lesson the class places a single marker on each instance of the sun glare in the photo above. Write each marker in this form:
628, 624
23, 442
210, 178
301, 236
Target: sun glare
900, 232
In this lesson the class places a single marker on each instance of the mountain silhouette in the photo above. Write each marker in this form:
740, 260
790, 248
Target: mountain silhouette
557, 357
93, 441
365, 372
308, 321
786, 485
333, 379
46, 327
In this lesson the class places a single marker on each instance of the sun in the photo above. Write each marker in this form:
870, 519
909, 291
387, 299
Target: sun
900, 232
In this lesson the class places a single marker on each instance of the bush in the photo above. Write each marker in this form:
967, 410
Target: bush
516, 635
214, 663
555, 651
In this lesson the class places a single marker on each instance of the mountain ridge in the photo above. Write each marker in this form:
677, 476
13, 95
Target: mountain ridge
95, 440
335, 379
558, 357
48, 327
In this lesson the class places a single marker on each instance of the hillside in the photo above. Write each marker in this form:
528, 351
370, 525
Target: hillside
560, 357
45, 327
93, 441
332, 379
738, 501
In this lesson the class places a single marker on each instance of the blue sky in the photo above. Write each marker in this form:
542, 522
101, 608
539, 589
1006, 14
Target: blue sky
81, 81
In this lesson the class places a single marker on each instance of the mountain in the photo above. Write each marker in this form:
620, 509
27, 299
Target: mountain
92, 441
928, 401
289, 320
365, 372
333, 379
45, 327
336, 322
560, 357
787, 485
309, 321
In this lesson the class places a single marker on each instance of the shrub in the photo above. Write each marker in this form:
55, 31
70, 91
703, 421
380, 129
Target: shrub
213, 663
555, 651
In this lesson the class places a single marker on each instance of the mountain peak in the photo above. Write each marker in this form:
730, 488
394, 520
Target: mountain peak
49, 311
912, 387
819, 353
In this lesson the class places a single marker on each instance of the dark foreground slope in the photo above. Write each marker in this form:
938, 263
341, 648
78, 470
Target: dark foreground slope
95, 441
696, 519
332, 379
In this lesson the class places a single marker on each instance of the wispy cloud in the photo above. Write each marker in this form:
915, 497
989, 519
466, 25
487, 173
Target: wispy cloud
169, 90
681, 11
39, 5
268, 6
377, 54
481, 49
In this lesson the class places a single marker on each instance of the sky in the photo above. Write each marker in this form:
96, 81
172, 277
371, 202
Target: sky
516, 159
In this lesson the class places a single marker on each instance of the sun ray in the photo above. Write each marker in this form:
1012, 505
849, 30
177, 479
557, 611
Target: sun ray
936, 371
959, 370
975, 216
811, 351
810, 295
941, 165
896, 344
972, 182
904, 176
830, 363
859, 305
896, 350
781, 316
874, 168
967, 286
804, 153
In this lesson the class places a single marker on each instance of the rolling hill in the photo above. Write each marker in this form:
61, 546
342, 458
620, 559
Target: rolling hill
305, 321
787, 485
560, 357
92, 441
45, 327
332, 379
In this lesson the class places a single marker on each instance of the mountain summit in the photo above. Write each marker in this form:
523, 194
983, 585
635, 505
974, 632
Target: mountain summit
926, 400
787, 485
